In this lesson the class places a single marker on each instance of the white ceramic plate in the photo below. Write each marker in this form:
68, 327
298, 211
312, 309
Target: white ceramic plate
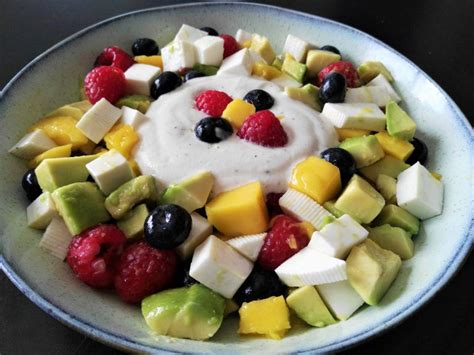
53, 79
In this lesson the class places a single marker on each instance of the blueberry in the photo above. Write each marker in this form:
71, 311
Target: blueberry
259, 285
145, 46
213, 129
210, 31
182, 277
333, 88
164, 83
261, 99
419, 154
30, 185
329, 48
167, 226
192, 74
343, 160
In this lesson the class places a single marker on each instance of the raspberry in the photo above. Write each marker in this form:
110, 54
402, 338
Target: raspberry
230, 45
92, 255
143, 270
285, 238
212, 102
273, 206
114, 57
263, 128
105, 82
346, 69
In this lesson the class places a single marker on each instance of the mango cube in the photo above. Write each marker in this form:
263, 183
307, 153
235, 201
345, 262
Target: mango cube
395, 147
240, 211
266, 71
316, 178
122, 138
237, 111
150, 60
262, 46
344, 133
62, 151
269, 317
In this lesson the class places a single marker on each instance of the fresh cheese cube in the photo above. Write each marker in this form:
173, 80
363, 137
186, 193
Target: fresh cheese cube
242, 37
296, 47
110, 170
98, 120
32, 144
286, 81
139, 78
379, 95
201, 229
209, 50
381, 80
41, 211
356, 115
239, 63
132, 117
256, 57
340, 298
189, 33
178, 54
419, 192
218, 266
56, 238
248, 245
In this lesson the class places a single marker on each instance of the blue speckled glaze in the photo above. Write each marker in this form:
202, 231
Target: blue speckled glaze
53, 78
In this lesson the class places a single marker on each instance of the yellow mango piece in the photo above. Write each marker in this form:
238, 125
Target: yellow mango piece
62, 130
266, 71
262, 46
269, 317
123, 138
150, 59
398, 148
237, 111
316, 178
345, 133
134, 166
62, 151
239, 211
308, 227
247, 43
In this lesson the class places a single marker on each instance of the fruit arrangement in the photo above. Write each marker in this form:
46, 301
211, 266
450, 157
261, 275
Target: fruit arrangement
191, 255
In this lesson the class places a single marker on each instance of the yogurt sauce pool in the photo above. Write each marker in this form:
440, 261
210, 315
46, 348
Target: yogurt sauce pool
170, 151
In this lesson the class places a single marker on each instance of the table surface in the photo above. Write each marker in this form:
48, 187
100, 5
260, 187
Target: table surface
436, 35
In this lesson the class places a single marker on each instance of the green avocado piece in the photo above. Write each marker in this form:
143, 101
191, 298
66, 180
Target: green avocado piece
133, 222
398, 217
371, 270
307, 94
81, 205
318, 59
387, 186
278, 62
309, 306
394, 239
388, 165
294, 69
369, 70
194, 313
57, 172
141, 188
399, 124
137, 102
329, 205
207, 70
365, 150
191, 193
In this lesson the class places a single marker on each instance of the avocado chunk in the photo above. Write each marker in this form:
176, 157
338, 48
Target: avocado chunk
81, 205
329, 205
137, 102
388, 165
191, 193
318, 59
394, 239
132, 224
387, 186
207, 70
141, 188
294, 68
360, 200
56, 172
399, 124
309, 306
365, 150
369, 70
398, 217
194, 313
278, 62
371, 270
307, 94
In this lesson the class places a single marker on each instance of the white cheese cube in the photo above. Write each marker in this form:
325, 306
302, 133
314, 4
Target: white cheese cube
256, 58
248, 245
340, 298
178, 54
239, 63
242, 36
110, 170
139, 78
200, 230
132, 117
218, 266
296, 47
381, 80
361, 115
285, 81
32, 144
189, 33
209, 50
376, 94
98, 120
337, 238
41, 211
56, 238
419, 192
310, 267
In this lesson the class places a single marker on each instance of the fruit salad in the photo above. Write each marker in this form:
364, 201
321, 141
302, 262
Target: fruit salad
217, 178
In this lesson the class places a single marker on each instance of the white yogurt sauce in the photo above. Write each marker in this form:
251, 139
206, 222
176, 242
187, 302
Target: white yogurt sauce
169, 150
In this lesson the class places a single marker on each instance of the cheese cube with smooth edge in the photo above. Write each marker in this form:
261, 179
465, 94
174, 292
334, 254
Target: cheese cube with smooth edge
178, 54
41, 211
209, 50
132, 117
248, 245
239, 63
340, 298
32, 144
239, 211
56, 238
139, 78
376, 94
381, 80
356, 115
189, 33
200, 230
296, 47
242, 36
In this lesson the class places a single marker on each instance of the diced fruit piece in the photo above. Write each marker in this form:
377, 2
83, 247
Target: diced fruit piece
360, 200
387, 187
134, 166
266, 71
308, 94
139, 78
114, 57
261, 99
296, 47
284, 80
141, 188
155, 60
293, 68
398, 217
381, 80
318, 59
259, 285
420, 153
56, 238
68, 111
248, 245
123, 138
379, 95
189, 33
237, 111
340, 298
419, 192
213, 130
262, 46
132, 223
62, 130
362, 116
137, 102
329, 48
269, 317
366, 150
62, 151
210, 31
105, 82
131, 117
309, 306
343, 160
212, 102
209, 50
200, 230
145, 47
278, 62
41, 211
206, 70
343, 67
371, 270
395, 147
30, 185
32, 144
399, 124
230, 307
333, 88
388, 165
369, 70
189, 312
394, 239
192, 74
218, 266
239, 63
242, 36
330, 207
231, 46
263, 128
316, 178
178, 54
344, 133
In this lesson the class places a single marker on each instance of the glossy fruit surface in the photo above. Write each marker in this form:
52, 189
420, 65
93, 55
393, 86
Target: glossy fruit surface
213, 129
30, 185
145, 46
330, 48
210, 31
343, 160
259, 285
164, 83
419, 154
261, 99
333, 88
